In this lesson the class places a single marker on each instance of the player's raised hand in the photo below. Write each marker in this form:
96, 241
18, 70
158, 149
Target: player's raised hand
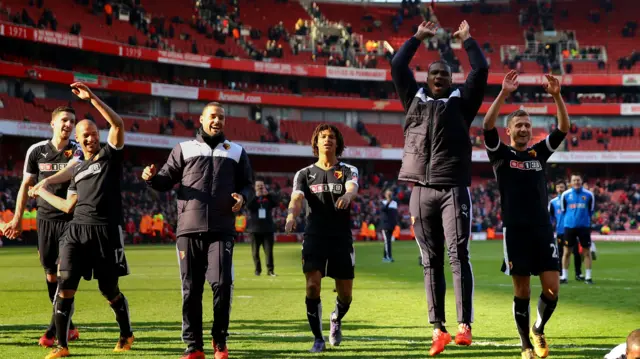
510, 82
239, 202
81, 90
552, 86
149, 172
290, 224
344, 201
463, 31
425, 30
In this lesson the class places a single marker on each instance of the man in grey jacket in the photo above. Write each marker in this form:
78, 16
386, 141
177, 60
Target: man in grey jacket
215, 180
437, 159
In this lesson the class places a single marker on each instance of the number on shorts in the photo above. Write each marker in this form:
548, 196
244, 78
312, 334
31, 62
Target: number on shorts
555, 249
120, 255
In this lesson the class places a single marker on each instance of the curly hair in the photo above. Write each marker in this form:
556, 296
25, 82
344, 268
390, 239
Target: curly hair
339, 140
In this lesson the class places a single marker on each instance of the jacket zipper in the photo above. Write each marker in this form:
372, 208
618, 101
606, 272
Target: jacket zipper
430, 128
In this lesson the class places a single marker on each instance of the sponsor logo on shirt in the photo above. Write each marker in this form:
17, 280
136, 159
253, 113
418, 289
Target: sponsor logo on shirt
51, 167
526, 165
326, 187
577, 205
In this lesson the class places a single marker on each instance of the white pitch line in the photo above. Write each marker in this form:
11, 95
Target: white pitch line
355, 338
395, 340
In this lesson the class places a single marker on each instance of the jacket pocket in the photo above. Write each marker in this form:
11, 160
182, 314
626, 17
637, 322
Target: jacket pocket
415, 141
413, 164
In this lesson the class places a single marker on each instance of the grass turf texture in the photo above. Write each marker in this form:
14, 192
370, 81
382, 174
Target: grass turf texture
388, 317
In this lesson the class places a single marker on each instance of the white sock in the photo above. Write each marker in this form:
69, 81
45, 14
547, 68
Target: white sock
565, 273
588, 274
593, 246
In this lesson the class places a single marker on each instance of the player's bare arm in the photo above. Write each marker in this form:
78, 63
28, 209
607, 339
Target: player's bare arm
13, 229
295, 207
350, 194
61, 176
116, 132
65, 205
552, 86
509, 85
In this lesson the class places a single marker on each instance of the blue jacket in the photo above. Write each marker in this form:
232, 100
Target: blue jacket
556, 214
578, 207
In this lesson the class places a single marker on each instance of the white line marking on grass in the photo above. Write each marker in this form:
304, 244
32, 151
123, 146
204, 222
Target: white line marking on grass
620, 280
243, 296
355, 338
387, 339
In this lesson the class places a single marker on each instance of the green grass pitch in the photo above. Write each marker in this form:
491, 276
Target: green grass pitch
387, 318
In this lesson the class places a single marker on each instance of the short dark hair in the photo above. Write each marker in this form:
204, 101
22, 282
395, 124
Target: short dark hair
61, 109
441, 62
323, 127
560, 182
516, 113
576, 174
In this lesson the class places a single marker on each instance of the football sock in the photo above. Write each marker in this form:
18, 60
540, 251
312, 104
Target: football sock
120, 307
439, 325
546, 307
565, 273
51, 330
52, 287
521, 315
64, 311
342, 308
314, 315
588, 276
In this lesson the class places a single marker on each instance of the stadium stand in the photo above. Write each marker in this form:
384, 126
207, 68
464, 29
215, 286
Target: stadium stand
183, 29
617, 202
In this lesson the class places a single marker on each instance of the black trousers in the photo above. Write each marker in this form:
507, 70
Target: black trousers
387, 235
200, 256
577, 258
443, 216
266, 240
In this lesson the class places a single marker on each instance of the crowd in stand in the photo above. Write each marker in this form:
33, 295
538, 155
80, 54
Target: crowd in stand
151, 216
221, 21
